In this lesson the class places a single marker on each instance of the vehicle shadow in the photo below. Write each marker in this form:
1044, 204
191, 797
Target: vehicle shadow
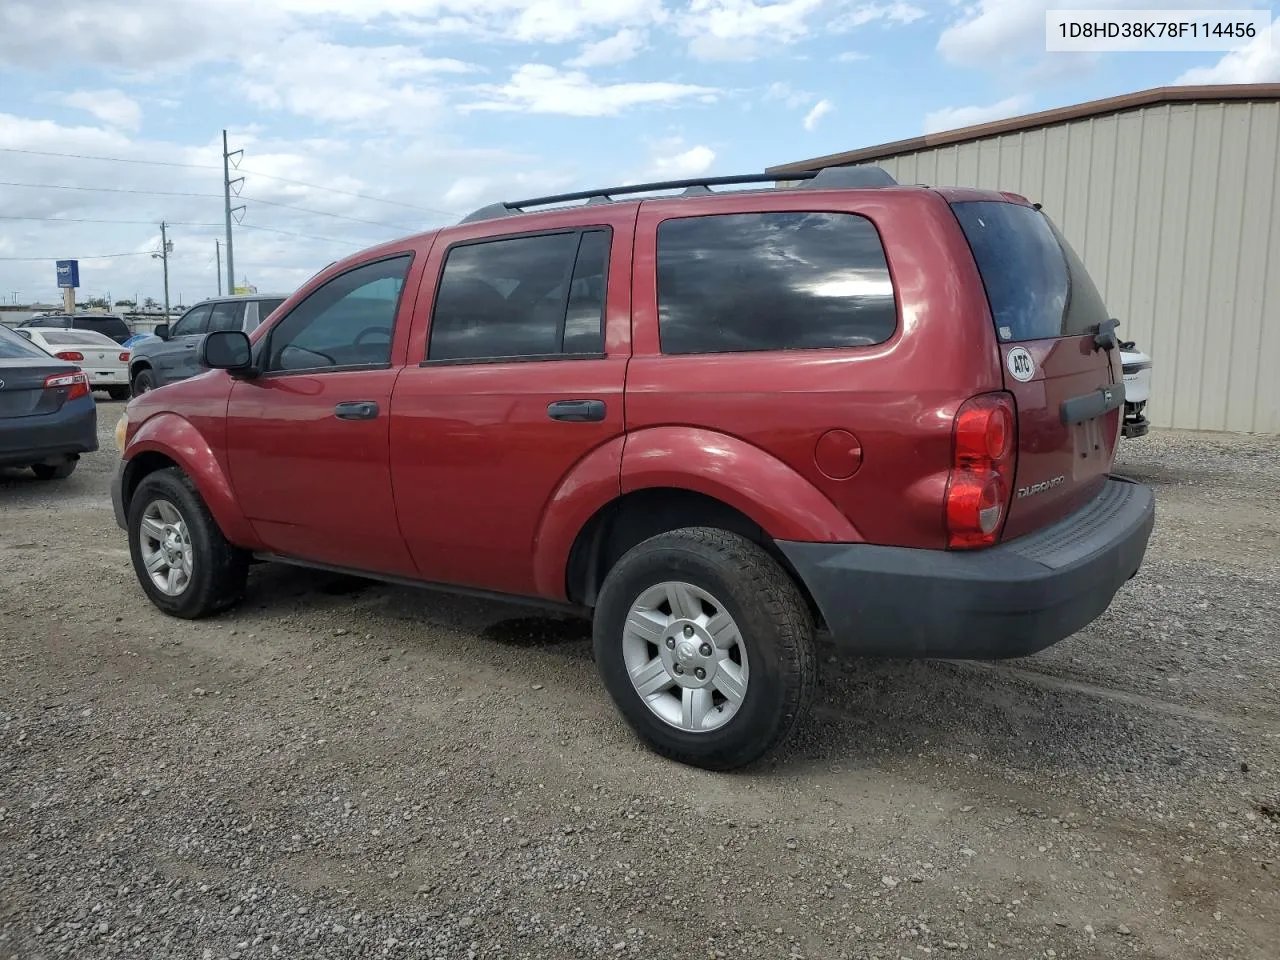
867, 712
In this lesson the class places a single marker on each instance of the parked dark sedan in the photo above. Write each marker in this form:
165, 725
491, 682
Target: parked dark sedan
47, 414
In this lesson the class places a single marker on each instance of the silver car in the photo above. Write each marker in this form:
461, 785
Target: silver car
173, 353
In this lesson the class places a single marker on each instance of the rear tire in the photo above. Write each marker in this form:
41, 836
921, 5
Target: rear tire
725, 587
118, 393
142, 382
57, 471
184, 564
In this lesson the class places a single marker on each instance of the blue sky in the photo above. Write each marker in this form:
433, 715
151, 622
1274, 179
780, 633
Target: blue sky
362, 120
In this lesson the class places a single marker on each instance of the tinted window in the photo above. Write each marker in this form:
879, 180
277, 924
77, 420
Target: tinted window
1035, 283
347, 322
772, 281
226, 315
521, 297
193, 322
49, 322
13, 347
268, 307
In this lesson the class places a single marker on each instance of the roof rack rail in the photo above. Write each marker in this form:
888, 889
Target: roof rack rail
862, 175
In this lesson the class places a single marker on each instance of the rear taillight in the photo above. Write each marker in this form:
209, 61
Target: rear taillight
124, 356
76, 384
981, 471
75, 356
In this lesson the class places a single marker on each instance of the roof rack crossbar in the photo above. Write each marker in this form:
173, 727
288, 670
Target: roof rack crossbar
838, 177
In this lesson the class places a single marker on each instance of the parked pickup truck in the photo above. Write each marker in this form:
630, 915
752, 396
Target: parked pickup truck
715, 420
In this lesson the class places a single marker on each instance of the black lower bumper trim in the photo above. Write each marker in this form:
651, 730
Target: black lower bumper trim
1006, 601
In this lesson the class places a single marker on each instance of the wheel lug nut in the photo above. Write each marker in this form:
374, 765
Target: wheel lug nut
671, 643
688, 630
705, 649
700, 674
679, 669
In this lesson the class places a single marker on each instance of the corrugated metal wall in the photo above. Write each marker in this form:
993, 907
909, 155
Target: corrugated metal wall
1172, 208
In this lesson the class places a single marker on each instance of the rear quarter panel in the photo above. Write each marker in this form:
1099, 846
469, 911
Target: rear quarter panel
897, 398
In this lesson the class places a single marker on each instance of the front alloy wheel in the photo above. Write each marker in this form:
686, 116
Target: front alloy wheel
166, 547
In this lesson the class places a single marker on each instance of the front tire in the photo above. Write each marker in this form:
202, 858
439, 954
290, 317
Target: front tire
118, 393
706, 646
183, 562
143, 381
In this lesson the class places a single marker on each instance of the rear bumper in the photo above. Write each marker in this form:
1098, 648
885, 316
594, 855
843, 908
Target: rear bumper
1007, 601
69, 432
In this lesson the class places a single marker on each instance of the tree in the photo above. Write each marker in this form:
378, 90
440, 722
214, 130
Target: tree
125, 303
97, 303
150, 303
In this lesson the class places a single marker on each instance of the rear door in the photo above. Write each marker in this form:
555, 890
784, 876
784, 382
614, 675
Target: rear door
1046, 311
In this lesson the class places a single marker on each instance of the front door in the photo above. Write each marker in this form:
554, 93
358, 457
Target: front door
307, 438
177, 358
521, 382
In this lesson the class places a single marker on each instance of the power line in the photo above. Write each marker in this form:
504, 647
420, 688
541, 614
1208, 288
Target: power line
212, 196
186, 223
210, 166
100, 256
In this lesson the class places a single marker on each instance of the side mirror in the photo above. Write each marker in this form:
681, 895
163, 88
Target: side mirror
226, 350
161, 331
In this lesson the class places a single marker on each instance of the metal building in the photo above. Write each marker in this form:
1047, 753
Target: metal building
1172, 198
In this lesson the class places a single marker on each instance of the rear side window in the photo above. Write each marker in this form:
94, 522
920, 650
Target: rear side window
772, 281
110, 326
540, 296
267, 307
1036, 285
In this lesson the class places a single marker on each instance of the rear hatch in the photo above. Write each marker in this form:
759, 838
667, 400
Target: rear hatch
1046, 311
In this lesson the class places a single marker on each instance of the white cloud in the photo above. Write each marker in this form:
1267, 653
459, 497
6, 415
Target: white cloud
384, 87
735, 29
110, 106
850, 56
670, 159
1259, 62
539, 88
895, 12
820, 110
951, 118
622, 46
782, 91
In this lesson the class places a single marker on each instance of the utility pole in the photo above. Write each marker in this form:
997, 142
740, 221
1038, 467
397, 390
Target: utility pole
217, 252
163, 256
227, 185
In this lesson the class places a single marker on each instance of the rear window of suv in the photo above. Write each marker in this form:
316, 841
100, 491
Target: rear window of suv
772, 281
1036, 285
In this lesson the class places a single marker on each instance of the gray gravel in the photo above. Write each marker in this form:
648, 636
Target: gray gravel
345, 769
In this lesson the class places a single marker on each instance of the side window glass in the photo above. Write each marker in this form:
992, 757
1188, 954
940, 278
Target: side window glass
539, 296
772, 281
193, 321
226, 315
348, 322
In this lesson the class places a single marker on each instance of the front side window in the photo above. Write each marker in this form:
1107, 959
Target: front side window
540, 296
194, 321
226, 315
347, 322
772, 281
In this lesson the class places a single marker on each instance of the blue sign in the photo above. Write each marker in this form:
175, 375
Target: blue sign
69, 273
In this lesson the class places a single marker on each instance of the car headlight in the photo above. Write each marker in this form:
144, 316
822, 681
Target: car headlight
122, 428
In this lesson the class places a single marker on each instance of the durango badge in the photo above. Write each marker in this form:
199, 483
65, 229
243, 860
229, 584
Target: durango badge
1020, 364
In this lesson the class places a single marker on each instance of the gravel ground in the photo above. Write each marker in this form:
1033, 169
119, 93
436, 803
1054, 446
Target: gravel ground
346, 769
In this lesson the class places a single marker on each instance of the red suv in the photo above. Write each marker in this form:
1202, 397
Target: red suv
718, 420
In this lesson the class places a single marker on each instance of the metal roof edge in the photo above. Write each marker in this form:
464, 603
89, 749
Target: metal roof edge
1130, 101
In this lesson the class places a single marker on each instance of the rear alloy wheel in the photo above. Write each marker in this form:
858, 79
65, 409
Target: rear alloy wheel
183, 562
706, 646
143, 382
54, 471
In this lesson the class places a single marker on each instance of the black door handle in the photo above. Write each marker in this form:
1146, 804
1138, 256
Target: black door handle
356, 410
576, 411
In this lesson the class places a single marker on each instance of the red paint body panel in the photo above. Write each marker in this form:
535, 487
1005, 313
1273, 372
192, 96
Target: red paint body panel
898, 398
475, 459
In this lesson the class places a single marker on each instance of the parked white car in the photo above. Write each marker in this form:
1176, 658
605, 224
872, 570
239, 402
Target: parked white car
1137, 389
104, 361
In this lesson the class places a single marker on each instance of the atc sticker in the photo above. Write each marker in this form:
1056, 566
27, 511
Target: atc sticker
1020, 364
